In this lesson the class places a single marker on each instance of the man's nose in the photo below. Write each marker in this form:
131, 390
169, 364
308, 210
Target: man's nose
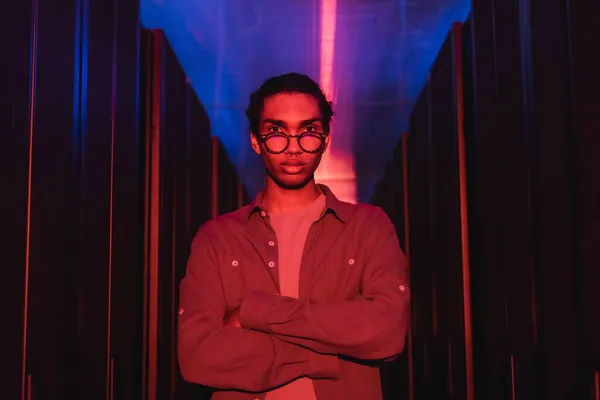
294, 146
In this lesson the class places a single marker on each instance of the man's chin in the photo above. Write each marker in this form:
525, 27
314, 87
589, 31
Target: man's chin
293, 184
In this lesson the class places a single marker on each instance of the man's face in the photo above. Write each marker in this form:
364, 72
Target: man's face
290, 114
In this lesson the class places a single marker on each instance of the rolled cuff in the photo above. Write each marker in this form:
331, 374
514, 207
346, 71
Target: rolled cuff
323, 366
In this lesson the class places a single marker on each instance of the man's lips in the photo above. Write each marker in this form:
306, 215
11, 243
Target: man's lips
292, 164
292, 167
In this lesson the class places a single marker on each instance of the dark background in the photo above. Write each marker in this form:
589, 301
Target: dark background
109, 168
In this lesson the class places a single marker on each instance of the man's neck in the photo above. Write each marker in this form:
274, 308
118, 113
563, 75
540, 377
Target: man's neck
277, 199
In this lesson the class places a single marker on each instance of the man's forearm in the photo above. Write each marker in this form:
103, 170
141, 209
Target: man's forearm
371, 329
230, 358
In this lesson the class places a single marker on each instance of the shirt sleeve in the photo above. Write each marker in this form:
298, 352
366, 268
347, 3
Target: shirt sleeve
227, 357
370, 327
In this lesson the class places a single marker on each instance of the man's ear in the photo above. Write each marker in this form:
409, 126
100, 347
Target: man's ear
254, 143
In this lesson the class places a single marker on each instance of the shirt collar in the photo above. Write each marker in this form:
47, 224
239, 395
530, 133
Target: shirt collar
340, 209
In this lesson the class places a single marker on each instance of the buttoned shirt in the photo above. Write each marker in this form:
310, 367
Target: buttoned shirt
350, 314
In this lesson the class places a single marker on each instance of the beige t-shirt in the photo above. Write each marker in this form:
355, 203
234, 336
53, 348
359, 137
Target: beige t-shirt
291, 229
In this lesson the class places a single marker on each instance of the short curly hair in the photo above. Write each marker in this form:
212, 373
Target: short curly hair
288, 83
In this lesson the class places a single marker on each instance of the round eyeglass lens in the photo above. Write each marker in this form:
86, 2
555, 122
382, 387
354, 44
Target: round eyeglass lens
310, 142
276, 143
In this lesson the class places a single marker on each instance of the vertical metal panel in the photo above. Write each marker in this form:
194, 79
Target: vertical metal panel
583, 26
94, 147
215, 178
492, 378
32, 106
464, 225
423, 317
52, 291
127, 228
407, 243
154, 127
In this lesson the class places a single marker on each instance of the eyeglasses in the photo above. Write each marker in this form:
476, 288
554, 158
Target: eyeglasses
277, 143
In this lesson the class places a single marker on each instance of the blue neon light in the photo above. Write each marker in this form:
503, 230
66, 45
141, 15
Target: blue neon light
384, 51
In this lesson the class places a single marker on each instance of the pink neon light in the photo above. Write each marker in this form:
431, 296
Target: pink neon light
337, 166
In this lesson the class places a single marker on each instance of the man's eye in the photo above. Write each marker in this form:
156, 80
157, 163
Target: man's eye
310, 129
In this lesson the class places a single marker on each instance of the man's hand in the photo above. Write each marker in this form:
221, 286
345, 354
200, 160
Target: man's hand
233, 318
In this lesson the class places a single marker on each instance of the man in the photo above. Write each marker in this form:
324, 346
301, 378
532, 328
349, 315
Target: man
298, 294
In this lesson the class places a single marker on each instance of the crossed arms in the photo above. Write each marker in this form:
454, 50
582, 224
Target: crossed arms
284, 338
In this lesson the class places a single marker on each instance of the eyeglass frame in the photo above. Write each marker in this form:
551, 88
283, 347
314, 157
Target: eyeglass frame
263, 139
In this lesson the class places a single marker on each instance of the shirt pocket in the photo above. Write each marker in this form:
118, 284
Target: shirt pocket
340, 278
243, 273
232, 279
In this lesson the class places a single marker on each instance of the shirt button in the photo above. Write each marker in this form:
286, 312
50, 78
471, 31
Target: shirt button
263, 214
351, 261
181, 311
271, 264
271, 243
402, 288
235, 263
